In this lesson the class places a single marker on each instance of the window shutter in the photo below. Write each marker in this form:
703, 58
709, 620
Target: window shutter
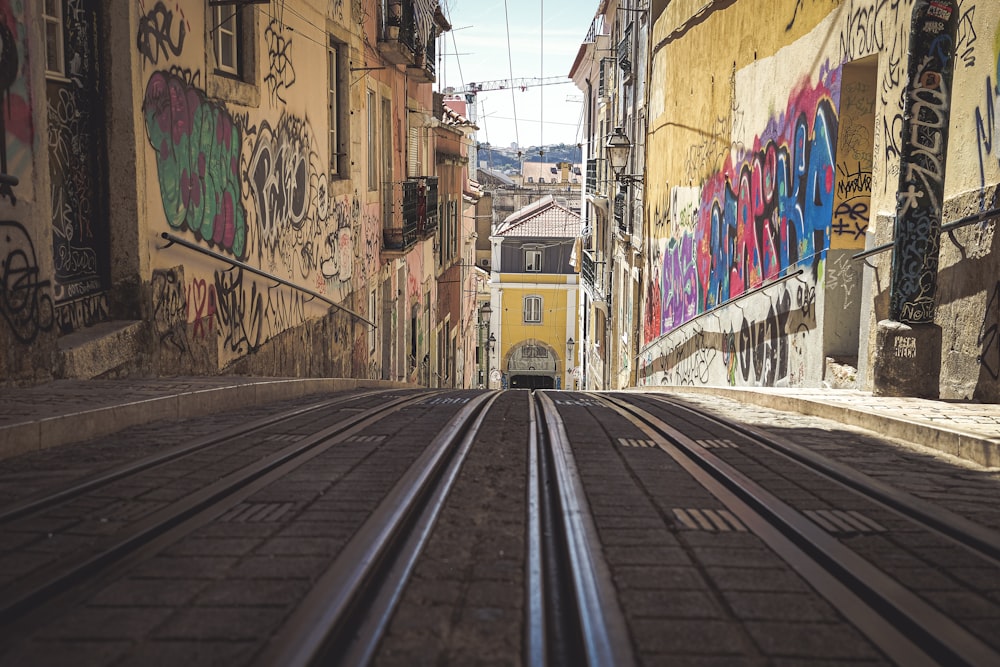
412, 152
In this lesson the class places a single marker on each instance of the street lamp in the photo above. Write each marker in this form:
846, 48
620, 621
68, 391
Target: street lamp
618, 148
484, 326
570, 344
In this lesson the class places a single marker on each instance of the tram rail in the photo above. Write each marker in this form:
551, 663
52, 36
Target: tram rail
908, 629
179, 517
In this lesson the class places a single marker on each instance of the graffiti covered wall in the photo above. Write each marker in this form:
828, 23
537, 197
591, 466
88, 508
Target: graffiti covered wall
792, 164
756, 208
241, 165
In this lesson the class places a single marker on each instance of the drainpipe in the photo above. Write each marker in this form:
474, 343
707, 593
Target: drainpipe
908, 344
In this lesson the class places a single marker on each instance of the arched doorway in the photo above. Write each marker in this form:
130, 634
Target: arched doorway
532, 364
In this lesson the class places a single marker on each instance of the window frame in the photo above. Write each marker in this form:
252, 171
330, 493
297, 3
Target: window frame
335, 83
220, 21
372, 111
56, 23
532, 252
532, 306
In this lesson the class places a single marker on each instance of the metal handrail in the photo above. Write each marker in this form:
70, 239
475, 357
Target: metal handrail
961, 222
171, 240
730, 302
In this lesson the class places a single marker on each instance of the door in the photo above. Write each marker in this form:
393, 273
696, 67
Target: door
77, 163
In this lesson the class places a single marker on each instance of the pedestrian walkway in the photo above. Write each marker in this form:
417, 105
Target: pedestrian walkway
965, 429
66, 411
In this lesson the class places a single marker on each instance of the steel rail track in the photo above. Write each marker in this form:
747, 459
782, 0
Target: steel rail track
973, 536
344, 616
78, 487
566, 560
905, 627
178, 518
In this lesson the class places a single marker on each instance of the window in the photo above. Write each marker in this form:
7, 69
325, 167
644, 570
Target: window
55, 62
335, 112
532, 310
387, 141
373, 151
533, 261
226, 35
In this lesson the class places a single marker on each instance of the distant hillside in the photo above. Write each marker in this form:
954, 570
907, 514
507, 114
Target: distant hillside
505, 159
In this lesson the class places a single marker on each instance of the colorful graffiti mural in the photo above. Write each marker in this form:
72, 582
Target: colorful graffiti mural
766, 212
198, 161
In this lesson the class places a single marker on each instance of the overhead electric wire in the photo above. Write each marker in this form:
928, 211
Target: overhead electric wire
510, 67
541, 71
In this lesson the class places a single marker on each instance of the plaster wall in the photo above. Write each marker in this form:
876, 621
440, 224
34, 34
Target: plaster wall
755, 152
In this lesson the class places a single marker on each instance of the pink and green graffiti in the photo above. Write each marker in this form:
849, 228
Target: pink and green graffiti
765, 213
198, 160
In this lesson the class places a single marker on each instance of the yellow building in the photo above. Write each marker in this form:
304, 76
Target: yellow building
533, 292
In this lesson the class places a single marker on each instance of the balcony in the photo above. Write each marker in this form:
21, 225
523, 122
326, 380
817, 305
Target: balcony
592, 275
427, 207
625, 51
410, 214
594, 172
401, 42
622, 217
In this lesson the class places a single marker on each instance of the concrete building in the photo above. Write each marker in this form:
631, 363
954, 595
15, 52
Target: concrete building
533, 298
241, 188
798, 163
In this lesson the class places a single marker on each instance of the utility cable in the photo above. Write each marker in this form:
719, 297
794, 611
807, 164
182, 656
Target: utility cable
510, 67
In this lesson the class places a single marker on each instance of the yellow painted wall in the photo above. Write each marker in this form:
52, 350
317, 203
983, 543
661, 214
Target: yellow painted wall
552, 330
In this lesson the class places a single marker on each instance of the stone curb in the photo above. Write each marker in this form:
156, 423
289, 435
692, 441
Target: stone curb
966, 445
23, 437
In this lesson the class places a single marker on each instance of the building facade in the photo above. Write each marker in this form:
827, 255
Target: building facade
241, 188
533, 298
798, 166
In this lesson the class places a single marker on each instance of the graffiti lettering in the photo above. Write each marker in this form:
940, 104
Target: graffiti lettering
24, 302
289, 194
169, 309
921, 181
197, 149
156, 34
240, 311
281, 75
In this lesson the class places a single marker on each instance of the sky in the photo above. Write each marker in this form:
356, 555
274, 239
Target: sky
476, 51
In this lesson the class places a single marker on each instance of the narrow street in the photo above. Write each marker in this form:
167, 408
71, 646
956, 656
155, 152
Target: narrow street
401, 527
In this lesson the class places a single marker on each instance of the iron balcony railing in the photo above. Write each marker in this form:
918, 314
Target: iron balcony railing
621, 215
594, 169
427, 198
411, 213
587, 268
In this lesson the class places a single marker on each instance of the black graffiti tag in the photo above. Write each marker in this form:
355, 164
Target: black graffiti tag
24, 301
156, 34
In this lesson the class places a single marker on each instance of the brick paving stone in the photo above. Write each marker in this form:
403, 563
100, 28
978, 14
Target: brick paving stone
778, 580
728, 556
220, 623
149, 592
671, 604
683, 637
278, 567
279, 593
213, 546
659, 577
65, 654
91, 623
771, 606
810, 640
203, 567
202, 653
